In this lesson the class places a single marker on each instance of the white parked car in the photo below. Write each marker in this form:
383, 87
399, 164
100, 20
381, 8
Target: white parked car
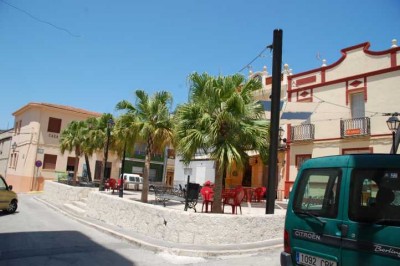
133, 181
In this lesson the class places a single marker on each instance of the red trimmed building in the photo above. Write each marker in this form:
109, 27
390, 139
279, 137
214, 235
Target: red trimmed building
351, 100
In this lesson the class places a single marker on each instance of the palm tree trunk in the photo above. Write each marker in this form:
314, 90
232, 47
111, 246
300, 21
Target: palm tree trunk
89, 173
146, 170
76, 165
216, 208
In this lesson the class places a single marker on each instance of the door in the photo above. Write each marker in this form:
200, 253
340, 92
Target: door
373, 219
357, 105
315, 234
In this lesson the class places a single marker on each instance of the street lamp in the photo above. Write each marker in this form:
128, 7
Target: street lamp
393, 124
281, 132
110, 124
14, 146
187, 171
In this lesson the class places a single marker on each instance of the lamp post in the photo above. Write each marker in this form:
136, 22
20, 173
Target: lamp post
187, 171
14, 146
121, 183
110, 124
393, 124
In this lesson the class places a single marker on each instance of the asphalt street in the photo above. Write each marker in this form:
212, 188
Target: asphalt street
39, 235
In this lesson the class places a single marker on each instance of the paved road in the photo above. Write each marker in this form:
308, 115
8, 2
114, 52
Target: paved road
39, 235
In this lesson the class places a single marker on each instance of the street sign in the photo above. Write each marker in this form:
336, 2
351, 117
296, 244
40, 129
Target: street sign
38, 163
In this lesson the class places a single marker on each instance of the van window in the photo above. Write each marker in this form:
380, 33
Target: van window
2, 184
318, 192
375, 196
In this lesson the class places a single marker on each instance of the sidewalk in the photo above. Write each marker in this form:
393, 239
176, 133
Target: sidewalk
248, 208
158, 245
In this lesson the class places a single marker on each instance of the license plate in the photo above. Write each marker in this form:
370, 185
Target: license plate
309, 260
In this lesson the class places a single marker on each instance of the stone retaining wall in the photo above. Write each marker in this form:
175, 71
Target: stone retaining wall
172, 225
59, 194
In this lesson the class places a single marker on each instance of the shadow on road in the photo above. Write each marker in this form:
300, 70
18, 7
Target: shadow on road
55, 248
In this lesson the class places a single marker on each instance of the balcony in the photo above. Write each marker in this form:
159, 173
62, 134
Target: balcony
302, 133
355, 127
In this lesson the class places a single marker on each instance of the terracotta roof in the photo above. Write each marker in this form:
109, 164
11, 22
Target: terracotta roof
55, 106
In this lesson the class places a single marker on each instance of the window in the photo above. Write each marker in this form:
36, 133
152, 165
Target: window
54, 125
357, 105
13, 160
357, 150
375, 196
2, 184
17, 127
140, 149
318, 192
301, 158
49, 161
71, 163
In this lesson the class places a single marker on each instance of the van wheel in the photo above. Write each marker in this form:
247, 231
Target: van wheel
12, 207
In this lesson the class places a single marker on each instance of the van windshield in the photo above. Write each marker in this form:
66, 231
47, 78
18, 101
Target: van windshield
375, 196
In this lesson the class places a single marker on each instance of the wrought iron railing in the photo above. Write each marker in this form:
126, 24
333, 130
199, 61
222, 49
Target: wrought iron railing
303, 132
355, 127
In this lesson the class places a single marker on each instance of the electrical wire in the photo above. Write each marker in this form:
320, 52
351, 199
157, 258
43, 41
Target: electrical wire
259, 55
346, 107
40, 20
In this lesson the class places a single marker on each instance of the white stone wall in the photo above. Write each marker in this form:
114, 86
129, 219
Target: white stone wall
167, 224
184, 227
60, 194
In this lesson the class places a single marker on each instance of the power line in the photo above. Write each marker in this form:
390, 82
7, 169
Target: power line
40, 20
346, 107
259, 55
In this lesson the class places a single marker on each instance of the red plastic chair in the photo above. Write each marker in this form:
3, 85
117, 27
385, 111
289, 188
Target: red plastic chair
234, 201
207, 195
112, 184
259, 193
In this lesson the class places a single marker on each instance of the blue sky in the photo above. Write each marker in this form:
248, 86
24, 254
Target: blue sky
100, 51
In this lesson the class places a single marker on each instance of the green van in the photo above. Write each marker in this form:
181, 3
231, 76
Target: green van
344, 210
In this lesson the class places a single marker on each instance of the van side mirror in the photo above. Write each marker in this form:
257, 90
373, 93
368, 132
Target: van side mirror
10, 187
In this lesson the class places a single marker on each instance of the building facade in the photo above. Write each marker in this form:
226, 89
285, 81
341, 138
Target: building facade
350, 101
5, 147
34, 154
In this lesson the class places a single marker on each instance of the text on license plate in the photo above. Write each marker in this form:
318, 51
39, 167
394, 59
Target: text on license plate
310, 260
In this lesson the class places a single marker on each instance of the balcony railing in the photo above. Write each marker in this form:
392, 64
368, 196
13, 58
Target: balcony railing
302, 132
355, 127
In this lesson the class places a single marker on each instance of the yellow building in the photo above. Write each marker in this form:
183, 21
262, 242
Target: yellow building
34, 154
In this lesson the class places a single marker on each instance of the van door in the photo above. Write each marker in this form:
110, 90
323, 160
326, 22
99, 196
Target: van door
372, 221
313, 224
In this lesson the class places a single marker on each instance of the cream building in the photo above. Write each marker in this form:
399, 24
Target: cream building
335, 109
34, 153
350, 102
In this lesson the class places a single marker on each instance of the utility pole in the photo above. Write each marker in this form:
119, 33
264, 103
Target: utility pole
275, 114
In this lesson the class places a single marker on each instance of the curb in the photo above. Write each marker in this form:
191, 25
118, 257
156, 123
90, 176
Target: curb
169, 247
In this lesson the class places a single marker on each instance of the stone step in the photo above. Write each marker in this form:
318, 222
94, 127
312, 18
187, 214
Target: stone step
74, 209
80, 204
84, 200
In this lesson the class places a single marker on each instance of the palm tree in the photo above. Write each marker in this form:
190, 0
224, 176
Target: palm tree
97, 139
153, 126
222, 120
73, 138
89, 147
125, 135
